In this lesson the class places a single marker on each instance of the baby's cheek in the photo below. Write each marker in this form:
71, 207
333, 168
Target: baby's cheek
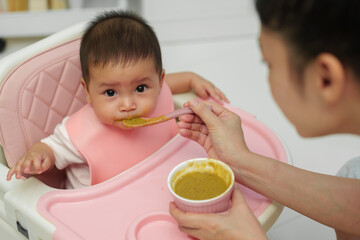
148, 108
104, 116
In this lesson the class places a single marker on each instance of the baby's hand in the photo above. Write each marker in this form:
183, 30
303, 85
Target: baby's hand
36, 161
205, 89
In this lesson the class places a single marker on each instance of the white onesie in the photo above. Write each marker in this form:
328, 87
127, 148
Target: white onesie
67, 157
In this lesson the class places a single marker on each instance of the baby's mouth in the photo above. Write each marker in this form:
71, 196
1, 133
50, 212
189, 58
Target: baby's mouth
126, 118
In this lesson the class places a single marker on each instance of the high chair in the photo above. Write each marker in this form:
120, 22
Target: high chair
40, 85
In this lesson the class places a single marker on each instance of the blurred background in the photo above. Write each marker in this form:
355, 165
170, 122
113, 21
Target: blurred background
216, 39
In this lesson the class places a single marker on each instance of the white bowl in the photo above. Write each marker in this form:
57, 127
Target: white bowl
219, 203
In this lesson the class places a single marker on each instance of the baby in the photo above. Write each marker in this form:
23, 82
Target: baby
123, 78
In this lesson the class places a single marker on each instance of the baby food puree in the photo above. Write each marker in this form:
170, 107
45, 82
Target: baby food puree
200, 186
201, 180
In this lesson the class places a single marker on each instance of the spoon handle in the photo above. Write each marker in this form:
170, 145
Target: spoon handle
179, 112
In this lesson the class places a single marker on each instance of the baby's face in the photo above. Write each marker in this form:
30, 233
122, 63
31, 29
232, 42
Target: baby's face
124, 91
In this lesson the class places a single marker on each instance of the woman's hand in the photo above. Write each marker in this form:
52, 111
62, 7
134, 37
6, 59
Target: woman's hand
237, 223
218, 130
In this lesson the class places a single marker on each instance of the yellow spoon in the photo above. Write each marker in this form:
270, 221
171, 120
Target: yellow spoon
139, 122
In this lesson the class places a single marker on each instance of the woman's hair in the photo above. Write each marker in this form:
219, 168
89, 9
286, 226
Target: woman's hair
116, 37
311, 27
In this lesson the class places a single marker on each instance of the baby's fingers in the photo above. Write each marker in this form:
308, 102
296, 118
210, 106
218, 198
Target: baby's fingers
36, 167
10, 173
17, 170
36, 164
222, 95
46, 164
217, 95
27, 166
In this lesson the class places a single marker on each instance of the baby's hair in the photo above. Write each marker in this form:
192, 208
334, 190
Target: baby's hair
116, 37
311, 27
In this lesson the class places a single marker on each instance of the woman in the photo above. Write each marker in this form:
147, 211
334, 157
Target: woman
313, 53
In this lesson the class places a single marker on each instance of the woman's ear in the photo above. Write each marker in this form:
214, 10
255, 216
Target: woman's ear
331, 77
83, 83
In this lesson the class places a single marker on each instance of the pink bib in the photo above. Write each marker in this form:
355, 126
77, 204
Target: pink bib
110, 150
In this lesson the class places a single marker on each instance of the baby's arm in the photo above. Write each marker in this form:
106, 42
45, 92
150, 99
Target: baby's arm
37, 160
185, 81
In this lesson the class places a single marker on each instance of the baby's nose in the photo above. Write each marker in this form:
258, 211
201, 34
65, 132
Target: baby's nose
127, 105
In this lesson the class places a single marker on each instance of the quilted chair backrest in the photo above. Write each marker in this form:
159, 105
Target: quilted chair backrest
35, 97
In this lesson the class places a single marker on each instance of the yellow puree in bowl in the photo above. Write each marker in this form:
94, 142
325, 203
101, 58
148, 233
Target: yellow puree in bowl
200, 185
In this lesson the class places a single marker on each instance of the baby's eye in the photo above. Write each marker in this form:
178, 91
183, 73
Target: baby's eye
110, 93
141, 88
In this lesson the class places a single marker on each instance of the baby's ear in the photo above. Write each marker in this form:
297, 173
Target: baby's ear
83, 83
162, 76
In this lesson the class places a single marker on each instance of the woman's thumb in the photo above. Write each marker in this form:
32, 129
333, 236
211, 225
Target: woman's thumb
204, 112
237, 197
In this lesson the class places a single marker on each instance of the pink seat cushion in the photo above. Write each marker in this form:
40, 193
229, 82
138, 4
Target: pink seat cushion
35, 97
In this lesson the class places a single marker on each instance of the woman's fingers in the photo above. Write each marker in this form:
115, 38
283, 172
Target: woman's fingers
193, 127
208, 115
237, 197
190, 118
185, 220
193, 135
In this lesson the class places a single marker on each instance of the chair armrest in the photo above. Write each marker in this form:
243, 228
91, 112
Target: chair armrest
181, 98
18, 203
